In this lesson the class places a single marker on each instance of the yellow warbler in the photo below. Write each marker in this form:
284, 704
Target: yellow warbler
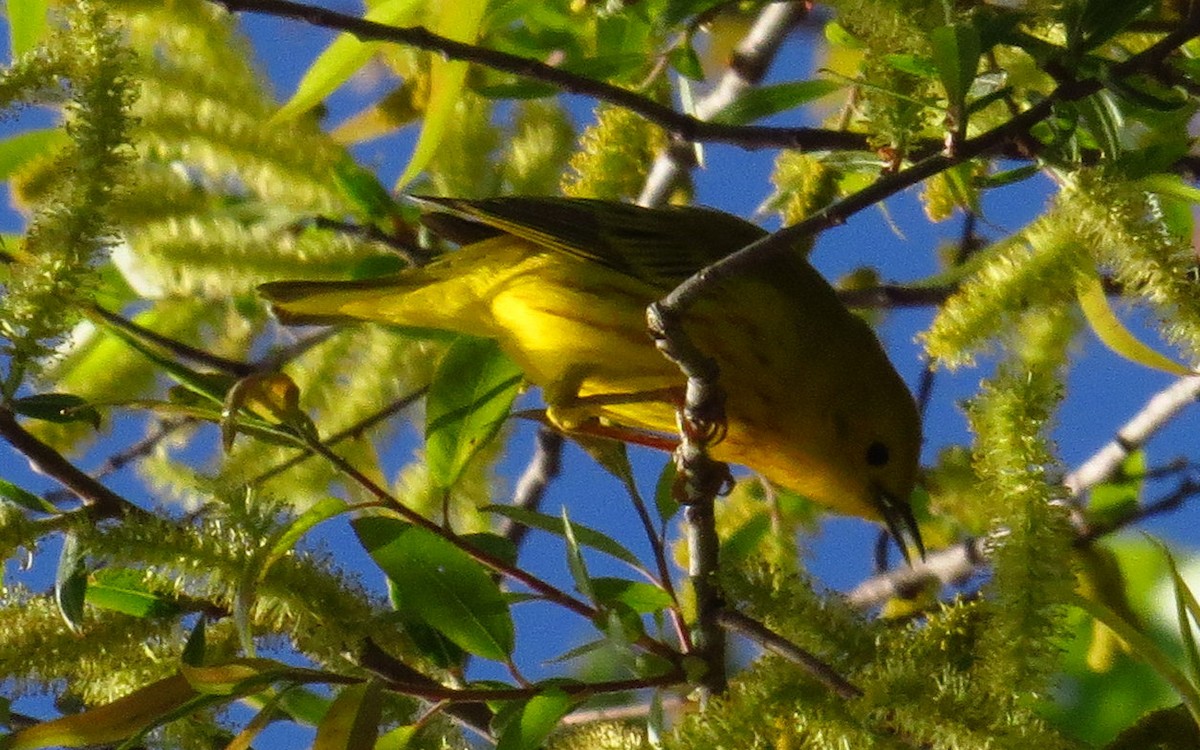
562, 284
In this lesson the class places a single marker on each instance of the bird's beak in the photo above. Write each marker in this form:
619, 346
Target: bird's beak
898, 517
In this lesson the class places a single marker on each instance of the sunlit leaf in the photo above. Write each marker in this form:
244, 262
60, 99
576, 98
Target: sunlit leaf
342, 59
1113, 333
536, 719
70, 581
439, 583
1148, 651
125, 591
468, 401
586, 536
23, 148
643, 598
459, 21
111, 722
25, 498
956, 51
26, 24
352, 721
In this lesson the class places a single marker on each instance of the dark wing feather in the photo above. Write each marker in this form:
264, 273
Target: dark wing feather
663, 246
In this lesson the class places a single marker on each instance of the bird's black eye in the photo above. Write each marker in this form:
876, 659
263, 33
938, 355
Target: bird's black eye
877, 454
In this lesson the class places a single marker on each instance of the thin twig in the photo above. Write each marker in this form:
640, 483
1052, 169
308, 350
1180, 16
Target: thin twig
118, 461
102, 502
683, 127
488, 560
178, 348
352, 431
543, 468
777, 644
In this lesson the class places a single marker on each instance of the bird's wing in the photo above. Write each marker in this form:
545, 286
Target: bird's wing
661, 246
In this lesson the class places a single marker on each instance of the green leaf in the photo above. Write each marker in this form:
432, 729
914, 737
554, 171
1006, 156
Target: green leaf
956, 51
23, 148
460, 21
25, 498
342, 59
440, 584
757, 103
575, 561
469, 398
664, 492
319, 512
26, 24
70, 581
839, 36
686, 62
1101, 20
110, 723
57, 407
1114, 334
352, 721
196, 645
529, 727
124, 590
1187, 611
1116, 498
643, 598
1148, 651
364, 191
586, 536
399, 738
922, 67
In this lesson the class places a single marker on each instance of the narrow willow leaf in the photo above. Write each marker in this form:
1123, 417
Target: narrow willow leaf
57, 407
461, 22
586, 536
664, 493
1188, 614
319, 512
70, 582
1114, 334
26, 24
440, 584
643, 598
352, 721
342, 59
399, 738
1149, 652
575, 561
23, 148
535, 721
196, 645
124, 590
241, 677
1116, 498
25, 498
469, 399
111, 722
956, 51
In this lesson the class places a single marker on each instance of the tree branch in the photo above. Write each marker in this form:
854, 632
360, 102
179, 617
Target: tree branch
956, 564
102, 502
681, 126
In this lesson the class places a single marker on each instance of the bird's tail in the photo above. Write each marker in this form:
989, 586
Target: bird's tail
410, 299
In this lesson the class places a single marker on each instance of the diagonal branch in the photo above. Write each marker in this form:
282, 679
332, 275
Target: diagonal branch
956, 564
679, 125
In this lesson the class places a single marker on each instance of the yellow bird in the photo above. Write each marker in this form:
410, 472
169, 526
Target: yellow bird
812, 402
